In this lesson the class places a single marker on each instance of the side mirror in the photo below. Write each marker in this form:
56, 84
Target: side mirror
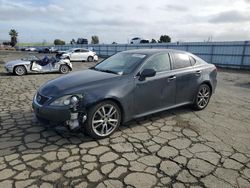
147, 73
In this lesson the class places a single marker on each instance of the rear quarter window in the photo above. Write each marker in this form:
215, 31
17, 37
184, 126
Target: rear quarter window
192, 60
181, 60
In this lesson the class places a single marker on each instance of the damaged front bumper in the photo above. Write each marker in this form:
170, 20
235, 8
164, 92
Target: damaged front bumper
64, 114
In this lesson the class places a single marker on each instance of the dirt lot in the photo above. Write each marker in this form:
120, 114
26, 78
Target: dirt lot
176, 148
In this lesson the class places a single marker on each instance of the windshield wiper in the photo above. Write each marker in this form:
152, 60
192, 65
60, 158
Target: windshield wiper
103, 70
108, 71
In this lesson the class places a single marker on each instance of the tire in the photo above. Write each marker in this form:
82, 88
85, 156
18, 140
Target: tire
20, 70
58, 55
64, 69
106, 122
202, 97
90, 59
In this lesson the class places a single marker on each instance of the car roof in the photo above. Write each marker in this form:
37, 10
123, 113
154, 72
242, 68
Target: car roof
153, 51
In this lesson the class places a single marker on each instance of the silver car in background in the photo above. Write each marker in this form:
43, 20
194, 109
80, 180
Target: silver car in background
33, 64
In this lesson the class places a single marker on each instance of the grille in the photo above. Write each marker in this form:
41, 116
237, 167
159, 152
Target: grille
41, 99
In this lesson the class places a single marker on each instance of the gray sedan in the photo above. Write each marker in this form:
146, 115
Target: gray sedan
126, 86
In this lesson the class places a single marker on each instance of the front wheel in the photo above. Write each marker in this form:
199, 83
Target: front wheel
64, 69
202, 97
103, 119
90, 59
20, 70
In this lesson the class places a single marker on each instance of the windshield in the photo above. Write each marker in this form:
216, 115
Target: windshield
121, 63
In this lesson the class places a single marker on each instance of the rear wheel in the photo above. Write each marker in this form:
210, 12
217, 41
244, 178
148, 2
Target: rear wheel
90, 59
64, 69
103, 119
20, 70
202, 97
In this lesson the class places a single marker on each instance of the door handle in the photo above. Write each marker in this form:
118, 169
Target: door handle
198, 73
171, 78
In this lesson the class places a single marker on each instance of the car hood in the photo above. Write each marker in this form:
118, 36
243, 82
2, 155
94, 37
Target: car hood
16, 62
75, 82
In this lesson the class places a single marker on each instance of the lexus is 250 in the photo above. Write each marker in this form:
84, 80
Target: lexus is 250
127, 85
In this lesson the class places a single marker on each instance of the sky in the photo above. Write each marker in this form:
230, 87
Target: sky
121, 20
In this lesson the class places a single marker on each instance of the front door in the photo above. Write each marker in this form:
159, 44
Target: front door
158, 92
75, 55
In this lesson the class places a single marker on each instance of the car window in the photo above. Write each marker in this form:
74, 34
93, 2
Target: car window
181, 60
121, 63
159, 63
78, 50
30, 58
192, 60
83, 50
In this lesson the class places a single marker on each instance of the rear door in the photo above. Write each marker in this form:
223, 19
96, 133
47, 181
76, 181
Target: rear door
84, 54
158, 92
187, 77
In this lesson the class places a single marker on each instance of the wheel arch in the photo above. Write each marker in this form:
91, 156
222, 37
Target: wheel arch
66, 65
204, 82
89, 57
70, 68
209, 85
116, 101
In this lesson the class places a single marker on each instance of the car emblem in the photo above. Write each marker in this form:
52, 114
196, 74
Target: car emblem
39, 98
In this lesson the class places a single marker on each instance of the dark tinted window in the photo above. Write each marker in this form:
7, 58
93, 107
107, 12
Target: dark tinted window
78, 50
159, 63
181, 60
83, 50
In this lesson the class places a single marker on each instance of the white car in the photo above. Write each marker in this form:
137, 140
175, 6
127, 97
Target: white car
136, 40
79, 54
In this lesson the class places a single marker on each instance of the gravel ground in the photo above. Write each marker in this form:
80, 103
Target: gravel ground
176, 148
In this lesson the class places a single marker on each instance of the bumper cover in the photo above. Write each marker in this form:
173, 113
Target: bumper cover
96, 58
8, 69
50, 113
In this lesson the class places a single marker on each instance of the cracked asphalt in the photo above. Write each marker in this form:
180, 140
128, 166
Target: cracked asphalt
176, 148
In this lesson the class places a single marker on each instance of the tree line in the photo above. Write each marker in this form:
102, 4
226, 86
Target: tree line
94, 39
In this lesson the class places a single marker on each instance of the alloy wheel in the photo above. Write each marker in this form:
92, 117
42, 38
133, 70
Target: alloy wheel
64, 69
203, 97
90, 59
20, 70
105, 120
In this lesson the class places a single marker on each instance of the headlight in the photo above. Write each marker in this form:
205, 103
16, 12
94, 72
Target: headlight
66, 100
